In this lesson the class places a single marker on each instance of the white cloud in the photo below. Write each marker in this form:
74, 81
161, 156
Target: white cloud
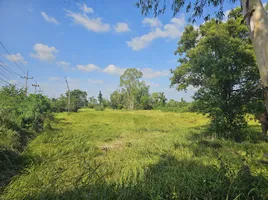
87, 68
16, 57
86, 9
13, 82
44, 52
53, 78
152, 22
172, 30
112, 69
147, 72
121, 27
226, 13
150, 73
152, 84
63, 63
93, 24
49, 19
95, 81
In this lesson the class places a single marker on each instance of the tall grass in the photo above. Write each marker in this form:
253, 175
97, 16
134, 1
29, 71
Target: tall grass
138, 155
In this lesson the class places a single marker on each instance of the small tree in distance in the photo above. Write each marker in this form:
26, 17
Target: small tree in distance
100, 98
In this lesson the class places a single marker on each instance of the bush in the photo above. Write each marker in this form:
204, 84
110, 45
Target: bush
99, 108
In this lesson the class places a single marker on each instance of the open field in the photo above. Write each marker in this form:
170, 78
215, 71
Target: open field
138, 155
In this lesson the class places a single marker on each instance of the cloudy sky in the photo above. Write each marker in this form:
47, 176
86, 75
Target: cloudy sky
90, 42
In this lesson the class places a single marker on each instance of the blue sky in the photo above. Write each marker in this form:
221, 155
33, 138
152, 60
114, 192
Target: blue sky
91, 43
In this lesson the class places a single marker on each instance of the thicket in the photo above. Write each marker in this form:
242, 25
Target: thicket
21, 118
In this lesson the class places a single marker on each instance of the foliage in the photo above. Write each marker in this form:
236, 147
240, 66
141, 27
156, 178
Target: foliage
92, 102
176, 106
100, 98
133, 88
99, 108
221, 64
158, 99
21, 117
117, 100
138, 155
78, 99
196, 8
59, 104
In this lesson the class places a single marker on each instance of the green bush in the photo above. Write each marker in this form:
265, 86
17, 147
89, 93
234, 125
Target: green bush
99, 108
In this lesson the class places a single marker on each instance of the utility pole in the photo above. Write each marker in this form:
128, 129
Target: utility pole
26, 81
35, 86
40, 91
69, 95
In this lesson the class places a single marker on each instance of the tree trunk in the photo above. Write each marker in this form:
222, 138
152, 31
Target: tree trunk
257, 20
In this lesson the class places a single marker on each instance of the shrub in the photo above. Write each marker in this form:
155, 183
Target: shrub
99, 108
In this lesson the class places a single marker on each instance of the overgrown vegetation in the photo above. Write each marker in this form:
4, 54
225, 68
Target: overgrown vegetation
146, 153
21, 117
139, 155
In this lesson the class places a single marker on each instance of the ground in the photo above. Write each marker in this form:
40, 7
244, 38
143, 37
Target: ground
138, 155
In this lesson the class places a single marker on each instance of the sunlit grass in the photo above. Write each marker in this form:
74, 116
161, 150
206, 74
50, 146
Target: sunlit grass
138, 155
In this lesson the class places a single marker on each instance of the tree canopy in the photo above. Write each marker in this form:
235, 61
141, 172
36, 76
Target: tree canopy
219, 60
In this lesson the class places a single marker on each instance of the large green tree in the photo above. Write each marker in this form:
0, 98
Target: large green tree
254, 15
219, 60
78, 99
132, 85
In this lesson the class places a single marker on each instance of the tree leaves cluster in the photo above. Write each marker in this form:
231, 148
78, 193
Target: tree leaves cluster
219, 60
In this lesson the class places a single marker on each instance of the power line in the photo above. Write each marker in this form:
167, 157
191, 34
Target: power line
11, 76
3, 81
5, 66
8, 80
11, 57
5, 76
10, 73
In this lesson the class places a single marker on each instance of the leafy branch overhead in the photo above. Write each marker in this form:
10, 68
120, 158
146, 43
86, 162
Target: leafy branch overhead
195, 8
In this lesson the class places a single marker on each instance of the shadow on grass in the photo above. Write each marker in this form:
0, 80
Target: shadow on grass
11, 163
11, 160
169, 179
252, 133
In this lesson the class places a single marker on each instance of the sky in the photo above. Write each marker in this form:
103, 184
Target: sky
91, 43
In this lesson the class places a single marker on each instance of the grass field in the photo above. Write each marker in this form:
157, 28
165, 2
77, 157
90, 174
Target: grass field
138, 155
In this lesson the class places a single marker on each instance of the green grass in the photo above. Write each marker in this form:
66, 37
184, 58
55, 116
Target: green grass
138, 155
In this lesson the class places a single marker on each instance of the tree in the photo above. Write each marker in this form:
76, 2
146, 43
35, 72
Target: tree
78, 99
130, 81
219, 60
143, 99
59, 104
254, 14
92, 102
116, 99
100, 99
158, 99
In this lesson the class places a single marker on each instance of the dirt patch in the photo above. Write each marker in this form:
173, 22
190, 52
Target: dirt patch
116, 145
